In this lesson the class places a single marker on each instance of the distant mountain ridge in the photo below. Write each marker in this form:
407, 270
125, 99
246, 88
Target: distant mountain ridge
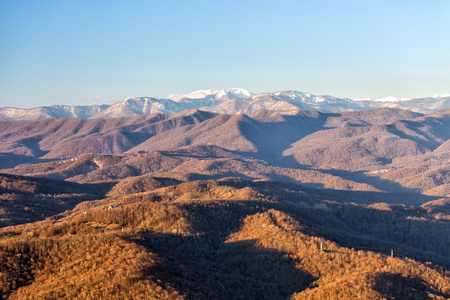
231, 101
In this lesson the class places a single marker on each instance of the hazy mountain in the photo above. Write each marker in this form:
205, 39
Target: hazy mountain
54, 111
422, 105
232, 101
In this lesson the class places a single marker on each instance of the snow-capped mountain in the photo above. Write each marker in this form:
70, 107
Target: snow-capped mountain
138, 106
234, 93
385, 99
54, 111
231, 101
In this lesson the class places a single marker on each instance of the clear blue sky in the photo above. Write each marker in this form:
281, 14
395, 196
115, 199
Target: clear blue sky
82, 52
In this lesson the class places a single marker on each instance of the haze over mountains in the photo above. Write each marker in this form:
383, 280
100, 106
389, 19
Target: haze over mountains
231, 101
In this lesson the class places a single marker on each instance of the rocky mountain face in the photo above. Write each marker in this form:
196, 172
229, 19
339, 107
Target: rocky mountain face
232, 101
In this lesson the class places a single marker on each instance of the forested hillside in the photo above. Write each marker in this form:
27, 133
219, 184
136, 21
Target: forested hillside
229, 238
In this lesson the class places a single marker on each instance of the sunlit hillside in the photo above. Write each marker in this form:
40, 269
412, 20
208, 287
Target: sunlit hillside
227, 239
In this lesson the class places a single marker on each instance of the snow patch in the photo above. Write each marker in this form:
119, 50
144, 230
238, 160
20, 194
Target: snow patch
238, 93
385, 99
442, 96
201, 94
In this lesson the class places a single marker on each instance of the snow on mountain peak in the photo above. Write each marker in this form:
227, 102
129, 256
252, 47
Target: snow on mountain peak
446, 95
391, 99
232, 93
385, 99
201, 94
238, 93
300, 96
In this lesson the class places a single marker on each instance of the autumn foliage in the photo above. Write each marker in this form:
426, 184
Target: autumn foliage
225, 239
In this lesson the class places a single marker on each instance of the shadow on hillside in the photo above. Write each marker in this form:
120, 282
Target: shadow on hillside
293, 129
415, 127
361, 177
414, 199
288, 161
409, 231
98, 189
204, 266
52, 198
201, 267
10, 160
396, 286
404, 196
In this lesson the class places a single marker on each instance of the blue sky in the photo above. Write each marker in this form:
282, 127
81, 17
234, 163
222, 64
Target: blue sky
91, 52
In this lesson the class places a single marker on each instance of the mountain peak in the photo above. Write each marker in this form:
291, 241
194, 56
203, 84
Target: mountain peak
391, 99
238, 93
201, 94
233, 93
446, 95
385, 99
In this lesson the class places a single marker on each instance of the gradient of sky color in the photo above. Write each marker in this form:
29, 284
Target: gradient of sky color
90, 51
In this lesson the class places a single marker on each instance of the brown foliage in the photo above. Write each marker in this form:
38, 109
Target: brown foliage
229, 238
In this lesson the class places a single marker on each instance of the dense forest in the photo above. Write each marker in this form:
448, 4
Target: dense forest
159, 238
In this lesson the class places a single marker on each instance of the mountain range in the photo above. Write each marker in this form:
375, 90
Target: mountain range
263, 132
384, 149
231, 101
141, 201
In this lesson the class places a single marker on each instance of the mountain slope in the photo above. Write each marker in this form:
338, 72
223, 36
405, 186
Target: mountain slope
54, 111
359, 147
238, 132
55, 138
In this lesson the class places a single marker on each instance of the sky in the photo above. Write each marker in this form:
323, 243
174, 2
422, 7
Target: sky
83, 52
